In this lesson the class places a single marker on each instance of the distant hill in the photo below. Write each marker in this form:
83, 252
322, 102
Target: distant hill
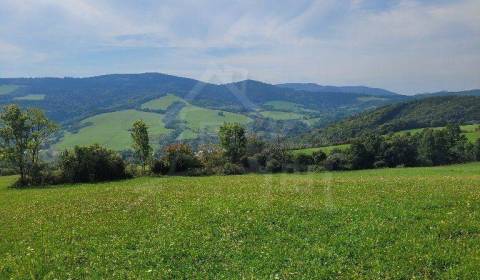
419, 113
83, 106
343, 89
473, 92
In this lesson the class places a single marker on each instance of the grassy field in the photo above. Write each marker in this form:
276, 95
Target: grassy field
112, 130
198, 118
377, 224
326, 149
6, 89
279, 115
31, 97
162, 103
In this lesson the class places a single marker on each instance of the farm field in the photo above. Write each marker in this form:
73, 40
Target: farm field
377, 224
280, 115
112, 129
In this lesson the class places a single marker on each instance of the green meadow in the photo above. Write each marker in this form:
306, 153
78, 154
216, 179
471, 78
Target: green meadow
31, 97
326, 149
399, 223
162, 103
112, 129
7, 89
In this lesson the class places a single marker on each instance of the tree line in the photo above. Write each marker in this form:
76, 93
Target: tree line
23, 133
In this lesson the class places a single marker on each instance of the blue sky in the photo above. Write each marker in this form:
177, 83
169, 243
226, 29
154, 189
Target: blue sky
408, 46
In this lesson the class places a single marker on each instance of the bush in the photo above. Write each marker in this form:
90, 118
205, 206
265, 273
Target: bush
274, 166
318, 157
336, 161
180, 158
303, 160
159, 167
233, 169
91, 164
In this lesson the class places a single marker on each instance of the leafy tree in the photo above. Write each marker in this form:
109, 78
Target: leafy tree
361, 158
141, 142
41, 129
400, 150
15, 135
22, 135
233, 140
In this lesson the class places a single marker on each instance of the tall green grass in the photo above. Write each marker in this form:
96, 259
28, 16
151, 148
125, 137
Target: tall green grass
376, 224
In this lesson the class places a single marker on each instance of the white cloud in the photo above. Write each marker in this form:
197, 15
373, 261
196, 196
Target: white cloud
410, 46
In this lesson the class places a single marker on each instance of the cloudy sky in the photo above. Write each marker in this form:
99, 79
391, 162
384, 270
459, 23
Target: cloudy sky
407, 46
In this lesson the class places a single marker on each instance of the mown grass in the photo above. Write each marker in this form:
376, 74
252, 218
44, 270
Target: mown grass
112, 130
383, 224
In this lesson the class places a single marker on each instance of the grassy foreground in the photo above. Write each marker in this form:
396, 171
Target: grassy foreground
392, 223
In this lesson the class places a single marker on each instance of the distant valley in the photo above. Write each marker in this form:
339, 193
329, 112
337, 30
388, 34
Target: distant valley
101, 109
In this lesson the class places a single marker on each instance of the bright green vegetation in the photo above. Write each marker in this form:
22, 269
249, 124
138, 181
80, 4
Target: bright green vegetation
201, 119
112, 129
31, 97
370, 98
376, 224
6, 89
284, 106
279, 115
326, 149
471, 131
162, 103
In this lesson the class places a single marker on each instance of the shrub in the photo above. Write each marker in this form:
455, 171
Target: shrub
233, 169
336, 161
274, 166
91, 164
303, 160
180, 158
318, 157
159, 167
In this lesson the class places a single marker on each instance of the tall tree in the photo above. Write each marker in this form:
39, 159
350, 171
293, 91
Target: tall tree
141, 142
41, 130
233, 140
15, 137
22, 134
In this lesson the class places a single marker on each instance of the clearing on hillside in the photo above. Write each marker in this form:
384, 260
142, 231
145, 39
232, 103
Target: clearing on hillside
112, 130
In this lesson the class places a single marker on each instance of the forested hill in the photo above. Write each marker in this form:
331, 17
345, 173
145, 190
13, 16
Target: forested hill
68, 100
350, 89
419, 113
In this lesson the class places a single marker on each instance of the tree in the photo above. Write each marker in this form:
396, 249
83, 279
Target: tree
22, 135
15, 136
361, 158
233, 140
41, 130
141, 142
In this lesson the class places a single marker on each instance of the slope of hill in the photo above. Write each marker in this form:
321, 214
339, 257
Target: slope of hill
420, 113
73, 102
473, 92
343, 89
